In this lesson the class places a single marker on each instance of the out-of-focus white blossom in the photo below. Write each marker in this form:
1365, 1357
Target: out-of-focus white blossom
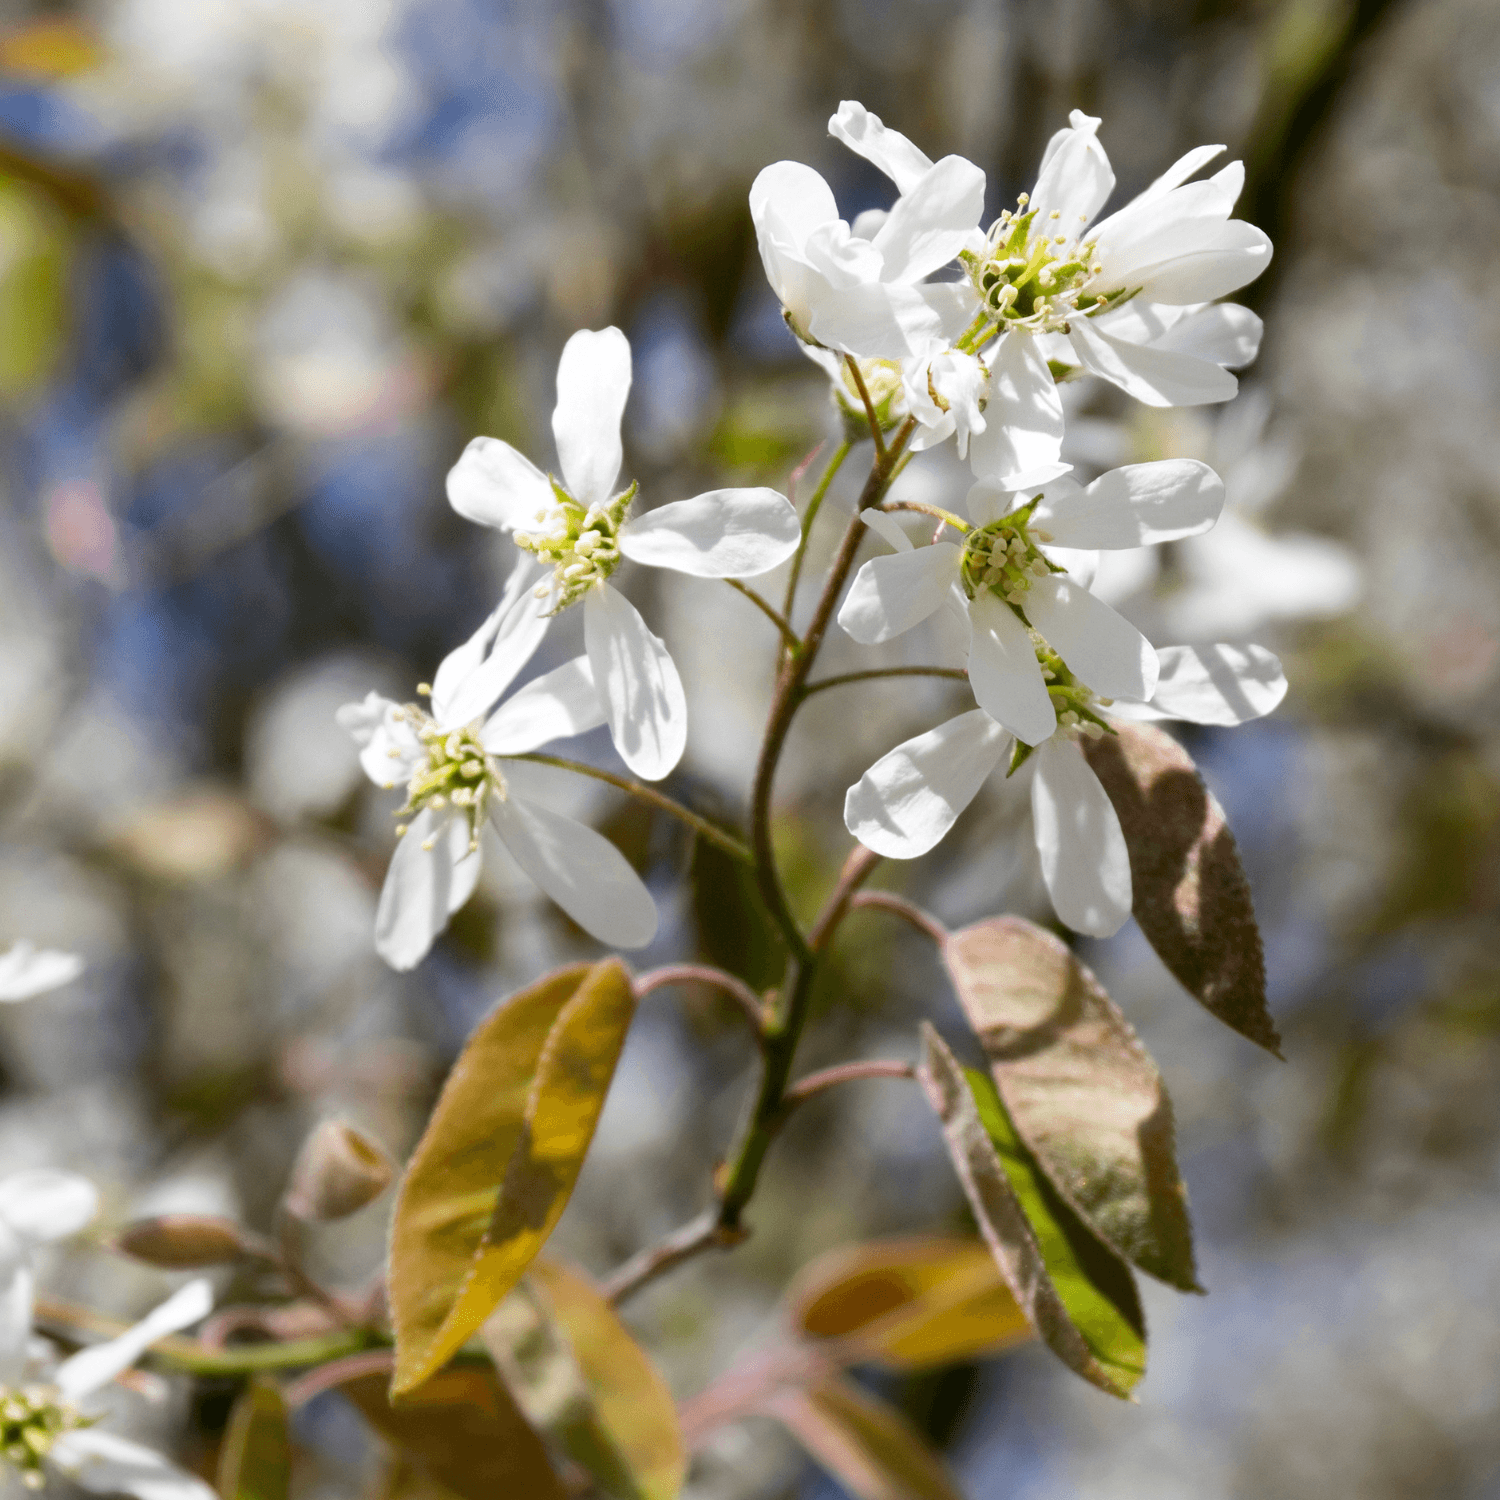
26, 970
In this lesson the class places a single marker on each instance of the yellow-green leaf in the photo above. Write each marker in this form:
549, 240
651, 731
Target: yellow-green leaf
35, 248
1080, 1297
1189, 892
911, 1302
632, 1399
1082, 1091
255, 1462
462, 1430
869, 1447
497, 1163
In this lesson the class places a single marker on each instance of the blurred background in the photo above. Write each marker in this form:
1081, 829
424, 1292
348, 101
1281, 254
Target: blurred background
264, 269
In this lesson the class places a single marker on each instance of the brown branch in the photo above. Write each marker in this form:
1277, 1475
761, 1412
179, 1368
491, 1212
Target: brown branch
857, 869
851, 1072
337, 1372
693, 1238
864, 395
869, 673
737, 990
909, 911
788, 635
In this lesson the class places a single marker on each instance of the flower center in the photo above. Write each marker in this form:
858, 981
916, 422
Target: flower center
1004, 557
1075, 704
32, 1418
458, 773
1034, 275
581, 543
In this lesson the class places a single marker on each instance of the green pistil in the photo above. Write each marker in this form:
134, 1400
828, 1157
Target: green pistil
1005, 558
582, 544
458, 773
32, 1418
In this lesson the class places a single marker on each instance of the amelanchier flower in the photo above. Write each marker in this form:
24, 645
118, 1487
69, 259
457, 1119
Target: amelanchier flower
905, 803
26, 970
582, 528
862, 288
449, 757
49, 1410
1021, 572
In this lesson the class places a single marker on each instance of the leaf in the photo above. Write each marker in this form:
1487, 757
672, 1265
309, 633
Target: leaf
1082, 1091
911, 1303
1080, 1298
632, 1398
463, 1430
865, 1444
497, 1163
255, 1462
1191, 896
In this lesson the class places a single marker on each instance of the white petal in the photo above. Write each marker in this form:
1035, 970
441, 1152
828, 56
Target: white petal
904, 804
1148, 232
1084, 859
92, 1369
557, 704
593, 380
891, 594
932, 221
887, 527
1136, 506
721, 534
496, 486
580, 870
887, 149
1224, 332
1022, 439
389, 748
1234, 255
795, 195
108, 1464
954, 303
1159, 377
873, 320
1075, 179
1101, 648
424, 886
16, 1295
1178, 173
644, 704
43, 1205
26, 970
867, 223
471, 678
1212, 685
1004, 672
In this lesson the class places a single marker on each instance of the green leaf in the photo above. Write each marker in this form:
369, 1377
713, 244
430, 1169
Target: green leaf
632, 1399
497, 1163
464, 1432
869, 1447
1082, 1091
1079, 1297
910, 1303
1191, 896
255, 1462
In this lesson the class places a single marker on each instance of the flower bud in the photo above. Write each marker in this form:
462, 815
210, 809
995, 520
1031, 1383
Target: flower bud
183, 1242
339, 1170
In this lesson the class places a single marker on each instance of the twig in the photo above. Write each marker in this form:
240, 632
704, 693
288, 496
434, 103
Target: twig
852, 1072
737, 990
921, 507
864, 395
909, 911
697, 1235
714, 834
857, 869
335, 1373
871, 672
788, 635
808, 517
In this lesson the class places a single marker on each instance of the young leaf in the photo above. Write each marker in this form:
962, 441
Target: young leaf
911, 1303
1082, 1091
255, 1462
463, 1430
869, 1447
633, 1400
496, 1165
1079, 1297
1191, 897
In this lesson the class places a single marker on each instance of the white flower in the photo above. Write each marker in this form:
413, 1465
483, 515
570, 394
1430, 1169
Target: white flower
1021, 574
904, 804
449, 758
859, 288
47, 1409
26, 970
583, 528
946, 393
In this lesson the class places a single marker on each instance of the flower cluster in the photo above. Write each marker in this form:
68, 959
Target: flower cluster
1047, 292
930, 326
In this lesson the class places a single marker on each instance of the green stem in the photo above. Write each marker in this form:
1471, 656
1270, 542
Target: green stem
882, 459
808, 517
788, 635
945, 516
870, 672
715, 835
